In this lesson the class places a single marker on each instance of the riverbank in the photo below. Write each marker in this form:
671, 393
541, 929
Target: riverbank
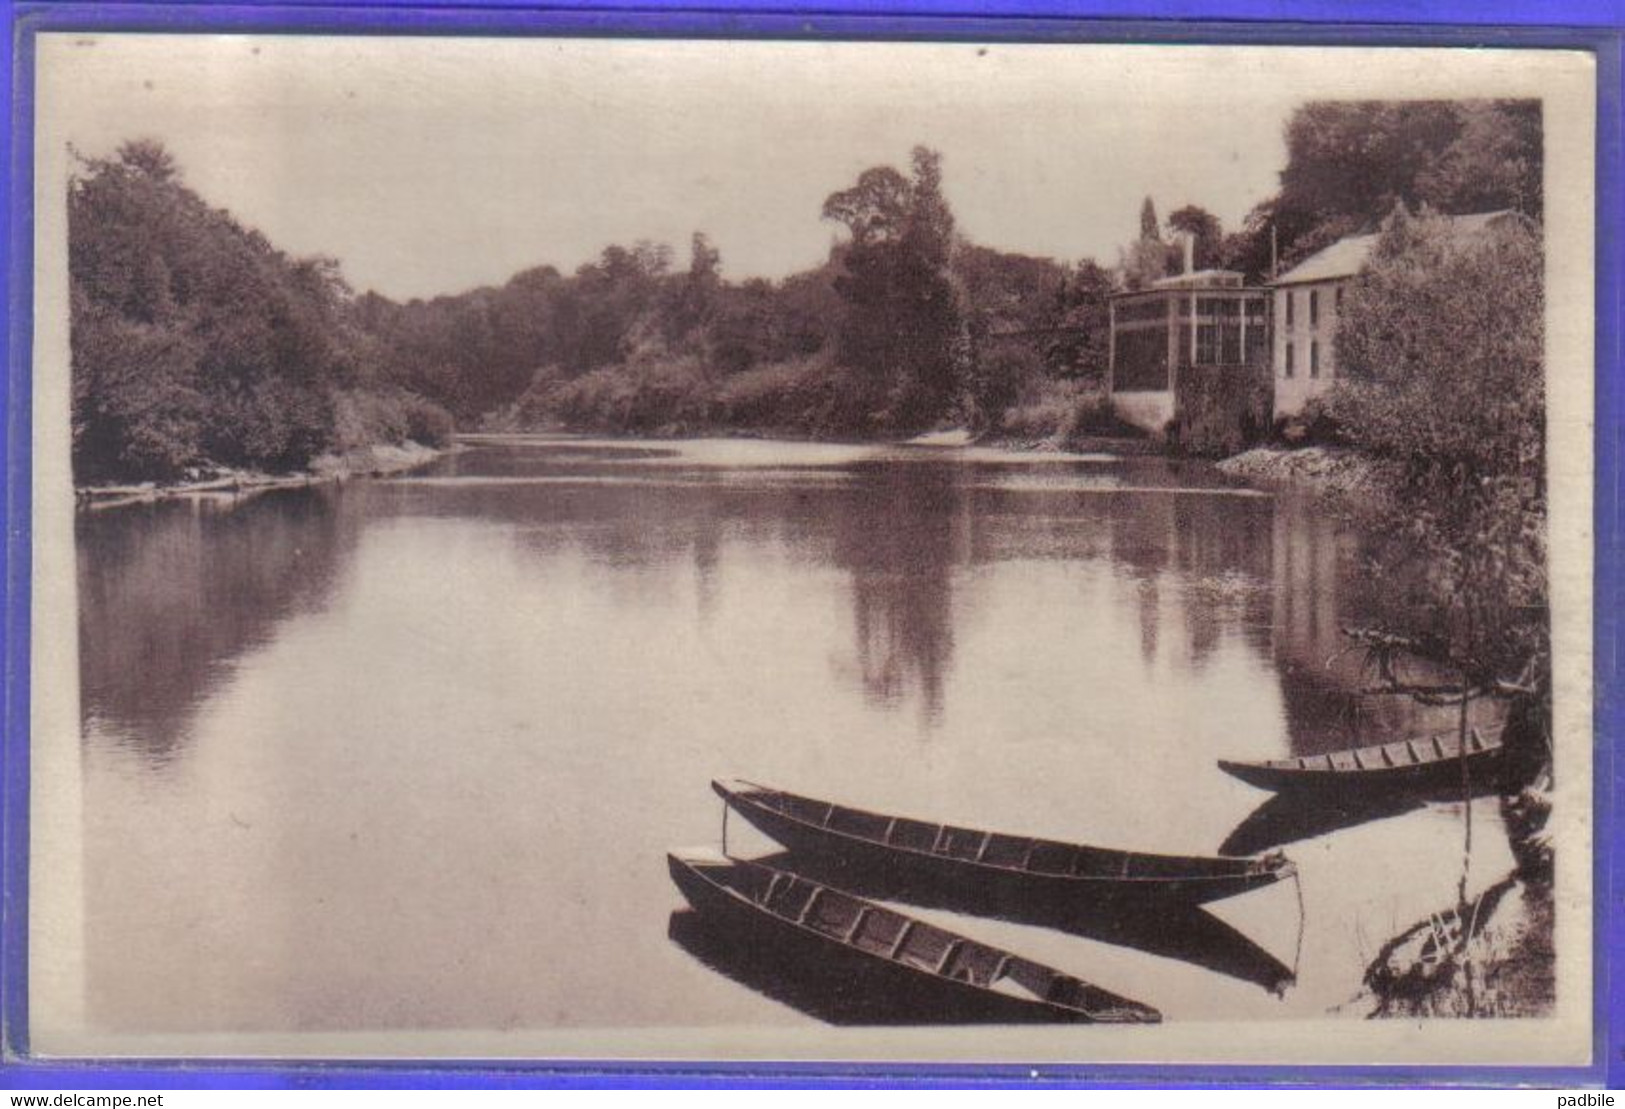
1494, 960
378, 460
1338, 473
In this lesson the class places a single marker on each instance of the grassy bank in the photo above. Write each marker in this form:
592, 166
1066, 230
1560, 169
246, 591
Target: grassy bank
805, 398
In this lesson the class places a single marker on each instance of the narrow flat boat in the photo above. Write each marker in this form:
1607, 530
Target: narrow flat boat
1436, 763
943, 976
932, 863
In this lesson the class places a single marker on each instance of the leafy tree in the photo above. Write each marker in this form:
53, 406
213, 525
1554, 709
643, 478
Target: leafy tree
1142, 263
901, 326
1150, 228
704, 261
194, 340
1441, 343
1146, 260
1083, 346
1205, 231
1350, 163
1494, 162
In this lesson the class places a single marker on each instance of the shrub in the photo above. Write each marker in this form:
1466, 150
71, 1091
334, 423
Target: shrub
426, 422
1000, 375
641, 396
809, 395
1061, 411
361, 419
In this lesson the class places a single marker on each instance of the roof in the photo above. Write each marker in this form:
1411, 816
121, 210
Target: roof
1228, 280
1347, 257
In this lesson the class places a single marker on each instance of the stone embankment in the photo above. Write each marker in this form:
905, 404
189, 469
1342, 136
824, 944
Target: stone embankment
1322, 471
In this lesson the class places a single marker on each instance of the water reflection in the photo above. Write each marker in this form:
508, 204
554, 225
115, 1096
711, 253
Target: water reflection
899, 533
1287, 818
171, 593
342, 696
1319, 589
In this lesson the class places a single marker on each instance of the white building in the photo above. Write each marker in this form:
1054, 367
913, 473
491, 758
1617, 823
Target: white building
1307, 302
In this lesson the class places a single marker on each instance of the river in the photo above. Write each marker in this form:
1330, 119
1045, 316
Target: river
409, 753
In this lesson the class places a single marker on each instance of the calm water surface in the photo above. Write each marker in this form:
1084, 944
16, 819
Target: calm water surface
409, 753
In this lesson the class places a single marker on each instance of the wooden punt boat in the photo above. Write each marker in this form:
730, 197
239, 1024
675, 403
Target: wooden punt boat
918, 967
1008, 875
1404, 766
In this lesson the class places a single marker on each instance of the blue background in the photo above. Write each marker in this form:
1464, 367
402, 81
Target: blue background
1585, 24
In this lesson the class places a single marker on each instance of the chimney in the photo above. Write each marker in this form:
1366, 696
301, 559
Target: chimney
1190, 253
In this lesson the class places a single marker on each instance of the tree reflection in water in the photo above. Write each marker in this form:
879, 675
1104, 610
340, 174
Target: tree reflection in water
899, 530
172, 593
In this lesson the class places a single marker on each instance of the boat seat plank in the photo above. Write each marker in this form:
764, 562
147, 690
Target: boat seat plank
960, 843
789, 899
807, 907
914, 835
879, 931
974, 963
923, 947
833, 914
1006, 851
902, 938
856, 822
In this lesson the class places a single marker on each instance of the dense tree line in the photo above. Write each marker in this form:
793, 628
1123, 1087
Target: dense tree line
905, 325
1349, 165
196, 343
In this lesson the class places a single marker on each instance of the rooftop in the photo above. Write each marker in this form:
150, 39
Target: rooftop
1200, 279
1347, 257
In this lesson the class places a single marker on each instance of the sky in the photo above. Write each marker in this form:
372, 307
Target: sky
434, 165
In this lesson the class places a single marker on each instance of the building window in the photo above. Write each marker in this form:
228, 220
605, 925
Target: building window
1289, 356
1207, 344
1337, 299
1258, 345
1289, 299
1230, 343
1314, 308
1218, 331
1141, 363
1314, 356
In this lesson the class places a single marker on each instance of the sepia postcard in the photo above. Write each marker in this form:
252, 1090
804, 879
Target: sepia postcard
625, 549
